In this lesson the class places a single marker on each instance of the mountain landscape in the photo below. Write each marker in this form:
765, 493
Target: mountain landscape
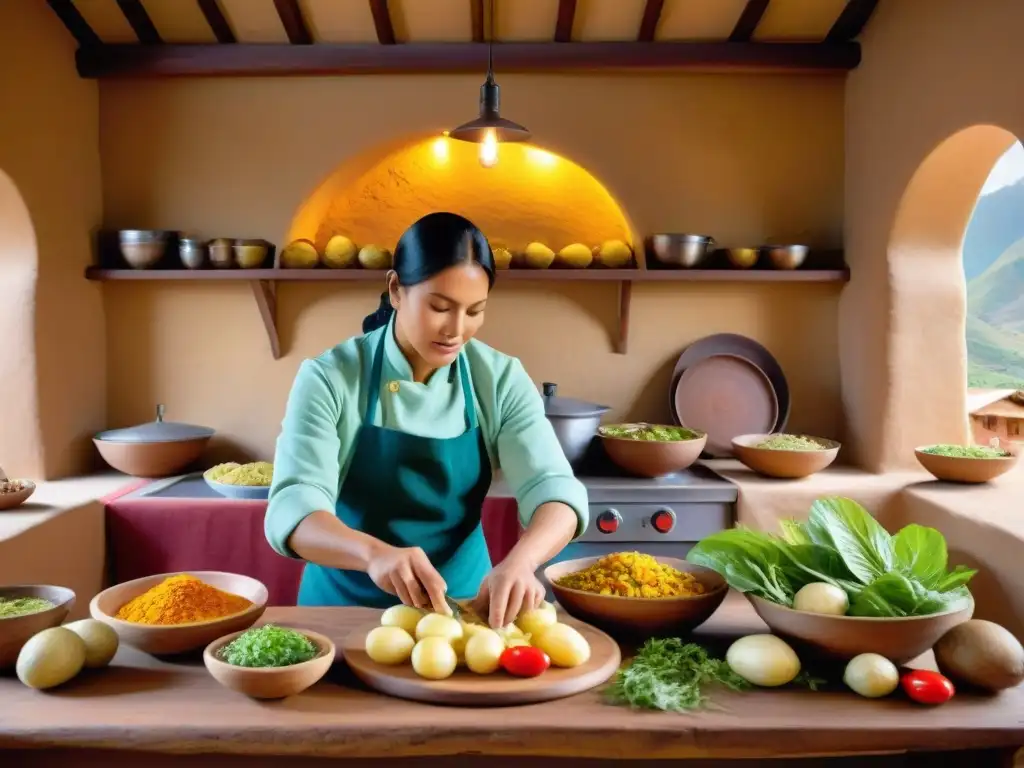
994, 267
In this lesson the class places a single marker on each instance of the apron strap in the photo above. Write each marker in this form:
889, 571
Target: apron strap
467, 393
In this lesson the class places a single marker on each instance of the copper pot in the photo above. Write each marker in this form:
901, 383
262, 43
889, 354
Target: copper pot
155, 449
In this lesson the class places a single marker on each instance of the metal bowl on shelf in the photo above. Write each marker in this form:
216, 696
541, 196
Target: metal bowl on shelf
787, 256
681, 250
143, 248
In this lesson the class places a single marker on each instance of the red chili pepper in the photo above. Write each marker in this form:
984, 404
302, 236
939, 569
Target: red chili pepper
524, 661
926, 687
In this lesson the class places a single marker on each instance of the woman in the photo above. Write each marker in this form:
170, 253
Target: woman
388, 441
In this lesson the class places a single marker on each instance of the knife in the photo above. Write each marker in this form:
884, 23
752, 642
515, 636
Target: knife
463, 613
455, 608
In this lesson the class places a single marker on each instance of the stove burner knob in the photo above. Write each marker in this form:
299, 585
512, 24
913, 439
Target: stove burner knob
608, 521
664, 520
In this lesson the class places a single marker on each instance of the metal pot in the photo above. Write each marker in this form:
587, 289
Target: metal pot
156, 449
575, 421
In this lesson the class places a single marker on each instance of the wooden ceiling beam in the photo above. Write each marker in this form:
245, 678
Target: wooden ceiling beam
293, 22
217, 21
748, 21
851, 21
382, 22
75, 22
649, 22
476, 16
140, 22
566, 16
269, 60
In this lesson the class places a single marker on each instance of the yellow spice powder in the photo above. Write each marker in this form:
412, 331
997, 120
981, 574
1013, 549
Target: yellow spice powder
181, 599
633, 574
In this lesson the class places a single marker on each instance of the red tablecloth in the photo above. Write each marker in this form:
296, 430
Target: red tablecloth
146, 536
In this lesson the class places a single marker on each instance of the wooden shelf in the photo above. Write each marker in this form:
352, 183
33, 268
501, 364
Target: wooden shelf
264, 283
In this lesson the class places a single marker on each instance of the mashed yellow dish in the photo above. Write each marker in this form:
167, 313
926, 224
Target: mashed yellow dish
633, 574
256, 473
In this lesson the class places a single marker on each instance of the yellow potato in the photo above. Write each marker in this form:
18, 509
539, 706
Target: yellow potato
483, 652
535, 621
565, 646
389, 645
433, 658
404, 616
439, 625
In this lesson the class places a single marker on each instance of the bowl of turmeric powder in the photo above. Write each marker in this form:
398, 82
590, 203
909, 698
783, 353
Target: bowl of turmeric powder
637, 594
171, 613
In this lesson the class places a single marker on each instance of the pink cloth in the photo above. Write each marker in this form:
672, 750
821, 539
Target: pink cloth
146, 536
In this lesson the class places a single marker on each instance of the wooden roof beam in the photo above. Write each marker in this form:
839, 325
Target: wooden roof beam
851, 21
270, 60
140, 22
748, 21
217, 21
74, 22
293, 22
566, 16
382, 22
649, 22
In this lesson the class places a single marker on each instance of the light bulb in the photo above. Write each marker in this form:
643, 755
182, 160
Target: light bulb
489, 149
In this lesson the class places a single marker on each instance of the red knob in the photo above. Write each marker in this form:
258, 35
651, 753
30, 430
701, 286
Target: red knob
663, 521
608, 522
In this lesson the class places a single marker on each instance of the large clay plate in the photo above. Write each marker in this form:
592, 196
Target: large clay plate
466, 688
725, 396
742, 346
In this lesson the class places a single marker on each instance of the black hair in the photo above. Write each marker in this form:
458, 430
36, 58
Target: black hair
431, 245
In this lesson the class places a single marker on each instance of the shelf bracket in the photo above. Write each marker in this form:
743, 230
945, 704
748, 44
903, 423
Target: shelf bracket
265, 293
625, 297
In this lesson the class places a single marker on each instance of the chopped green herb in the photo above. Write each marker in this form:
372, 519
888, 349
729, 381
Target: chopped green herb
651, 432
790, 443
269, 646
669, 675
10, 607
966, 451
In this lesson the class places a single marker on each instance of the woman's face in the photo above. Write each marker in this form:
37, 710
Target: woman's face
435, 318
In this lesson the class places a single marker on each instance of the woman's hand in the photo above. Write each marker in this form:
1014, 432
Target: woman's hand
407, 573
509, 588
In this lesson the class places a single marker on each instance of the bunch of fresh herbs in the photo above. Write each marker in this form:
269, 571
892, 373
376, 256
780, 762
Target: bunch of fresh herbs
269, 646
905, 574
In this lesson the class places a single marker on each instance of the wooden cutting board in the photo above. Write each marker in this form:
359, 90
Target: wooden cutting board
465, 688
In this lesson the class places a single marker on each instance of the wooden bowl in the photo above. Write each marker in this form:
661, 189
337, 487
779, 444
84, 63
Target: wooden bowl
158, 459
270, 682
956, 469
170, 639
15, 631
638, 615
842, 637
650, 458
783, 464
17, 498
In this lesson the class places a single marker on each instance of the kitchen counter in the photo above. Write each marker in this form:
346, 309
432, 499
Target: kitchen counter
140, 704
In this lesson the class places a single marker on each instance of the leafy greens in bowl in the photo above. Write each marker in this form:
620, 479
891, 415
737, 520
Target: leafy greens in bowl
841, 544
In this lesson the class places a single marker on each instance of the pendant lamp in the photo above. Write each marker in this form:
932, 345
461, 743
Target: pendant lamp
490, 127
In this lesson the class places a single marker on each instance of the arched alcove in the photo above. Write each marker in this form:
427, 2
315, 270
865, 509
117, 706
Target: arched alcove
530, 195
21, 452
927, 354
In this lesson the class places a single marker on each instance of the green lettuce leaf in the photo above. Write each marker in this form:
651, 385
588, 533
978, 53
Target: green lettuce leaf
845, 526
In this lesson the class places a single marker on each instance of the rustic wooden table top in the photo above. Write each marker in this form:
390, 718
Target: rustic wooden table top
145, 704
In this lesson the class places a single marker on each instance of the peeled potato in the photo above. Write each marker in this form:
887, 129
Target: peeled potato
439, 625
535, 621
483, 652
403, 616
565, 646
434, 658
389, 645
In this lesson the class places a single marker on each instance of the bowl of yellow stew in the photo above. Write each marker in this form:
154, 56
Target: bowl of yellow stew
636, 593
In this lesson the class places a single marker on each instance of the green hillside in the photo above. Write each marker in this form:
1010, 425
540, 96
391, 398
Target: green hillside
995, 322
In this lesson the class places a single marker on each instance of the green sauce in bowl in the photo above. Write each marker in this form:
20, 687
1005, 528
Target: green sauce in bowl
966, 451
653, 433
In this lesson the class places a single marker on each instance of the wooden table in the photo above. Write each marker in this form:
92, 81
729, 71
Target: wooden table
141, 704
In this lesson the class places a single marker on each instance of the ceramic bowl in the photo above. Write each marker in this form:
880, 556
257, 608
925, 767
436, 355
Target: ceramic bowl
842, 637
15, 631
652, 458
17, 498
783, 464
240, 491
270, 682
161, 640
637, 615
955, 469
156, 459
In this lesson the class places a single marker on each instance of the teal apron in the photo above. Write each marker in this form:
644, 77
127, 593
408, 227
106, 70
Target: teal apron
411, 491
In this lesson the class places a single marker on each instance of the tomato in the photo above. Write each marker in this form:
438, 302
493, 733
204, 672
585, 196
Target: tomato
524, 661
926, 687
